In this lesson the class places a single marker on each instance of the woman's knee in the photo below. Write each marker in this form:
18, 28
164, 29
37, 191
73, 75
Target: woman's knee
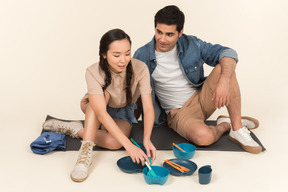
112, 143
84, 103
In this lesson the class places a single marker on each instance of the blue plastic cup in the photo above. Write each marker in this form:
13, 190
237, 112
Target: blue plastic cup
204, 174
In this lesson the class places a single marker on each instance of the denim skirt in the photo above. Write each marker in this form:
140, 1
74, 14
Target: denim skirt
125, 113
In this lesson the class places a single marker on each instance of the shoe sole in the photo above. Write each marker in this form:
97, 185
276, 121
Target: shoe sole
247, 148
255, 121
78, 180
81, 180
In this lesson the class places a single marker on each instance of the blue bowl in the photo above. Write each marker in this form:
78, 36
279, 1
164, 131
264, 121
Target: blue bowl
161, 175
187, 147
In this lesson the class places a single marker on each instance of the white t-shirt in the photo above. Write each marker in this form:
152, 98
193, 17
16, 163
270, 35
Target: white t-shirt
171, 86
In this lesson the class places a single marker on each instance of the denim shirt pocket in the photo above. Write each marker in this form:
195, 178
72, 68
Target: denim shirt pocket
195, 74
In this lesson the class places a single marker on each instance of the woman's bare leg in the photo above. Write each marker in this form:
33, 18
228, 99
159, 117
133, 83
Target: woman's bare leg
91, 131
106, 140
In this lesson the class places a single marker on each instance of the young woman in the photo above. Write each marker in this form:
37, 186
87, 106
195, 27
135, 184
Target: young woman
114, 85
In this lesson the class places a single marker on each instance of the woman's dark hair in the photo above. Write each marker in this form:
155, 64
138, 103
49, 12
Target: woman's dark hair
170, 15
106, 40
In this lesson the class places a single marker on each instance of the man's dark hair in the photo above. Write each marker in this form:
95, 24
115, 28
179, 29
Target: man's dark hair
170, 15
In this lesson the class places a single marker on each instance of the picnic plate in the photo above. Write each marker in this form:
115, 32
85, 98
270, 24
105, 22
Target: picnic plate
183, 162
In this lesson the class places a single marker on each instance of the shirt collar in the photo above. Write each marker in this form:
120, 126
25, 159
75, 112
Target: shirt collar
122, 74
152, 50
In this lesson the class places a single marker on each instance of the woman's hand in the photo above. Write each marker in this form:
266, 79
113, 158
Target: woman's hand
137, 155
150, 149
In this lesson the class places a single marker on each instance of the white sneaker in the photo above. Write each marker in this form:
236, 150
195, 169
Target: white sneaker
67, 128
80, 171
243, 137
248, 122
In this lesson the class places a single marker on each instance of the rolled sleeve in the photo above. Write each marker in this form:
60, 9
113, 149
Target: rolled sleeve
229, 53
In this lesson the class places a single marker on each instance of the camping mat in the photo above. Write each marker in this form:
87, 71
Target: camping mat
163, 137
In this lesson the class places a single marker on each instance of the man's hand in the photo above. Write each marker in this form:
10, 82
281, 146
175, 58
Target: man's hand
221, 95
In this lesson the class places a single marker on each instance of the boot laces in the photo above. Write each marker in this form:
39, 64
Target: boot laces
67, 131
85, 155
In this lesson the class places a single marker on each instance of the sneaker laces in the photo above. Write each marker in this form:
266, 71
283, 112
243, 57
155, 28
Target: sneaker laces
67, 131
245, 133
85, 154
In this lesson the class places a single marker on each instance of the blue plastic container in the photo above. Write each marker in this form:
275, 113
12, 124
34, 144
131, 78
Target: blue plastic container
161, 178
187, 147
204, 174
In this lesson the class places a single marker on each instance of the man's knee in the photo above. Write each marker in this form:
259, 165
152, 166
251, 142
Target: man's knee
202, 137
217, 70
215, 75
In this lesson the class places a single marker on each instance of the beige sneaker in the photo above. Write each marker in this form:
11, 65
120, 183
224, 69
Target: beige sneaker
80, 171
243, 137
67, 128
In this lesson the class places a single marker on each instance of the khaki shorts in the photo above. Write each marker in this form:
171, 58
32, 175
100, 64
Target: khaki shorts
197, 109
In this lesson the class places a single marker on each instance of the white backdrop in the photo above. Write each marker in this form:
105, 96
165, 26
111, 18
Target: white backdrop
46, 45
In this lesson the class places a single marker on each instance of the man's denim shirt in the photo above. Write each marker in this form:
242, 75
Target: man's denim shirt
192, 54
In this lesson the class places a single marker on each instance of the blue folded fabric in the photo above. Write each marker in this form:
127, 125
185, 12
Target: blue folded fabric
48, 141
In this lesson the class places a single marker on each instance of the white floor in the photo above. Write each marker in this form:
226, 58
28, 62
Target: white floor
24, 171
46, 46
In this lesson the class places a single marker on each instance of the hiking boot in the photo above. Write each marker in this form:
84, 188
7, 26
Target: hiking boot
80, 171
243, 137
246, 121
67, 128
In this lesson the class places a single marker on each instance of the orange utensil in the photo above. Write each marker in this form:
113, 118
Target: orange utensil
169, 163
179, 147
177, 165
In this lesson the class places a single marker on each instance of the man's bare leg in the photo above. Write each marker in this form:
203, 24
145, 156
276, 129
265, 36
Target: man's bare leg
204, 135
199, 132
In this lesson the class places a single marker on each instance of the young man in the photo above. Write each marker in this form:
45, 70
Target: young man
182, 95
